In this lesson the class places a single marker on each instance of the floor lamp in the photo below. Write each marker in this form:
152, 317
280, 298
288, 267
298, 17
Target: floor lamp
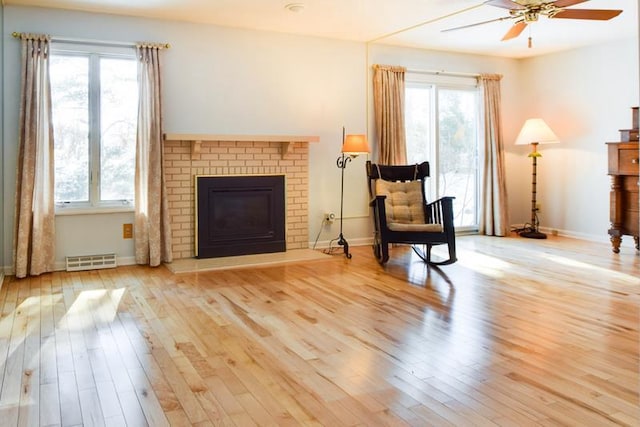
352, 146
534, 132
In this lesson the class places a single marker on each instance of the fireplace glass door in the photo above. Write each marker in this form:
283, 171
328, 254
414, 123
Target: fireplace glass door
240, 215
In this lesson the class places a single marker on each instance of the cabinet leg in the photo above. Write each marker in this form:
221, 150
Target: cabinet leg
615, 244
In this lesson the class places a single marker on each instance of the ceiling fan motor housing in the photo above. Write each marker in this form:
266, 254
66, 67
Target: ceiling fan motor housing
524, 12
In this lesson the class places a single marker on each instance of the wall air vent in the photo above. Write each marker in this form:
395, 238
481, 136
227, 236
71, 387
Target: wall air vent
91, 262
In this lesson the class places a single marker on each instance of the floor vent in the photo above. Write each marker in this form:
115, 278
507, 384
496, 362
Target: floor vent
91, 262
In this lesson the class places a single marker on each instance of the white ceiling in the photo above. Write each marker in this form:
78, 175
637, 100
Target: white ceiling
369, 20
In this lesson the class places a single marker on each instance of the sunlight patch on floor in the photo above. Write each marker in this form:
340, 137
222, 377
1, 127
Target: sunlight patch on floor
624, 278
92, 306
29, 307
483, 264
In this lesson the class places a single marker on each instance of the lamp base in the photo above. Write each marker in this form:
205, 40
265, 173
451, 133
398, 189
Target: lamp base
343, 242
533, 234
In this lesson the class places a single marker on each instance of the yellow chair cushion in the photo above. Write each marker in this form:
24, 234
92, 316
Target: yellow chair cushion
403, 206
403, 203
423, 228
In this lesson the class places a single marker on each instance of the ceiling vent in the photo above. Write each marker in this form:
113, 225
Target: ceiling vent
295, 7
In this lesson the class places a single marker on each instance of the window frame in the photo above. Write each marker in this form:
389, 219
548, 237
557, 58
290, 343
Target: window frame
94, 53
437, 83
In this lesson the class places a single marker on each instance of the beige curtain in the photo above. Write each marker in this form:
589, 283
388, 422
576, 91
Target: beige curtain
34, 234
152, 227
388, 104
493, 211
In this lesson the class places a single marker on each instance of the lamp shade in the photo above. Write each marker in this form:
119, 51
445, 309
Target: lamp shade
536, 131
355, 144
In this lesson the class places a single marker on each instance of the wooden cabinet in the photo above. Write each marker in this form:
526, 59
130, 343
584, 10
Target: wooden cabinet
624, 161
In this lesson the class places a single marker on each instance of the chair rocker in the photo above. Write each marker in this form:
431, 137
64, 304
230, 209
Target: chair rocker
401, 213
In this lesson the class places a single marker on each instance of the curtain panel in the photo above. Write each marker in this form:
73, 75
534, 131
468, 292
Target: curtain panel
34, 233
388, 104
494, 219
152, 228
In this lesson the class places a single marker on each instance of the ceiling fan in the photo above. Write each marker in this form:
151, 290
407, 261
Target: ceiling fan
524, 12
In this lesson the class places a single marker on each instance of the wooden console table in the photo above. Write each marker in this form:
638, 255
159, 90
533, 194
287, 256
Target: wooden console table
624, 160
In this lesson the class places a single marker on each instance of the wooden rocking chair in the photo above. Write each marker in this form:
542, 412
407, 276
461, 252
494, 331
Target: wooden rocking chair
401, 213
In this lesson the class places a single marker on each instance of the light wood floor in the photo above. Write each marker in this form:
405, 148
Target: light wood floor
518, 332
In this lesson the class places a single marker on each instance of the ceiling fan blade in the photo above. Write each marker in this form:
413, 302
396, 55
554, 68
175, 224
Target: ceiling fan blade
505, 4
595, 14
515, 30
566, 3
476, 24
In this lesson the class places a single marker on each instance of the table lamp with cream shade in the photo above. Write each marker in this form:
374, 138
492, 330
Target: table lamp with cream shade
352, 146
534, 132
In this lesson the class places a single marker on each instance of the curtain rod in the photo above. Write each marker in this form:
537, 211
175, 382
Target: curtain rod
443, 73
98, 42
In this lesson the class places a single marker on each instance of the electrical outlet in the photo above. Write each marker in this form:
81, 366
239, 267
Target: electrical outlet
329, 217
127, 231
538, 207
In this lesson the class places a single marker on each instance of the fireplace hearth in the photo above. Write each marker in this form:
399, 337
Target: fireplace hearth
240, 215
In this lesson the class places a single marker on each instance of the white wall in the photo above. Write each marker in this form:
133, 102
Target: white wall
218, 81
2, 204
585, 95
229, 81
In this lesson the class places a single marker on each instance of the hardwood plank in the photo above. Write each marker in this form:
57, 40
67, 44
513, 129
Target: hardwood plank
69, 399
215, 413
7, 306
151, 408
13, 373
131, 409
109, 402
92, 414
183, 392
517, 333
30, 388
50, 412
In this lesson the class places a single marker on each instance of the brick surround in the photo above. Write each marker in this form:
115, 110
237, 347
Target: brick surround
234, 158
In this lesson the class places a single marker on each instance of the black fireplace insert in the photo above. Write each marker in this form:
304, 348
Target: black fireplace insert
240, 215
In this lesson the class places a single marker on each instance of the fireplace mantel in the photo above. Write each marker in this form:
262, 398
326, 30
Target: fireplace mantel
287, 141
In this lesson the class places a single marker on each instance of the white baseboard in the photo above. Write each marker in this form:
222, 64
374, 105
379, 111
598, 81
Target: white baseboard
627, 241
61, 266
363, 241
126, 260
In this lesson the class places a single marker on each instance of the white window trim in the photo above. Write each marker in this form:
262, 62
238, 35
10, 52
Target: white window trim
77, 210
437, 82
94, 206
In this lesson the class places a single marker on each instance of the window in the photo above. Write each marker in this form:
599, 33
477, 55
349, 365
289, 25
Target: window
442, 127
95, 105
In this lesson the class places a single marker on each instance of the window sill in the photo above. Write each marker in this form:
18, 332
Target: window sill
93, 211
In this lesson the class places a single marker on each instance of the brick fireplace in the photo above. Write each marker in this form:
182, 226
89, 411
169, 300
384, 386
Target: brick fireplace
189, 155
